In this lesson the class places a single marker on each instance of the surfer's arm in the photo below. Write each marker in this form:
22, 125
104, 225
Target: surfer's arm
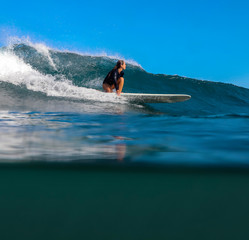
120, 85
115, 78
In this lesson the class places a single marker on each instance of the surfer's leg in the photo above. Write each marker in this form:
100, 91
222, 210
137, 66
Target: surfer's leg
120, 84
107, 87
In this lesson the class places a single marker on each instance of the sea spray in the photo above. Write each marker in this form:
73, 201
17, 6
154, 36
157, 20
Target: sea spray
15, 71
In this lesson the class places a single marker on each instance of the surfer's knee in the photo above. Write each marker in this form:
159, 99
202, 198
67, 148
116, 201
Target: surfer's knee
107, 88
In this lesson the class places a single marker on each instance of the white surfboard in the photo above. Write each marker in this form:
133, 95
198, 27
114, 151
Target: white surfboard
155, 98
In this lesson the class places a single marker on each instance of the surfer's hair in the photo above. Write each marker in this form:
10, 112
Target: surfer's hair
119, 63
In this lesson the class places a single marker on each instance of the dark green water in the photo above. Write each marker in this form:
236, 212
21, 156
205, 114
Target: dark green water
97, 202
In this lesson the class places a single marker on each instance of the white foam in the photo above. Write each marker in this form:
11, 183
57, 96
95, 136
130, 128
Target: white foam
15, 71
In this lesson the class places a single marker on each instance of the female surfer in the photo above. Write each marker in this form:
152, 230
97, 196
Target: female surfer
114, 78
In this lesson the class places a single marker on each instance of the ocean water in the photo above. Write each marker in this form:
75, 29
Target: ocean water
51, 110
76, 163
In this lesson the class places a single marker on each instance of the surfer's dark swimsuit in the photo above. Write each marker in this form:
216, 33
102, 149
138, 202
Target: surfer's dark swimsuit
112, 78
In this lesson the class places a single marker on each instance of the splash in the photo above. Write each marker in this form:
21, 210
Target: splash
40, 47
45, 50
15, 71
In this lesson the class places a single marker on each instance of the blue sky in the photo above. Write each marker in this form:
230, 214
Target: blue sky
201, 39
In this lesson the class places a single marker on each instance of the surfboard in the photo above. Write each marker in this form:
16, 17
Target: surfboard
155, 98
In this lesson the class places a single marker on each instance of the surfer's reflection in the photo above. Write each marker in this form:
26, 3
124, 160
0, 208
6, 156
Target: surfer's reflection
116, 150
120, 149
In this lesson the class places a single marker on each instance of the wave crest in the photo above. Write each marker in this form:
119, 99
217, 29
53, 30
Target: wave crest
71, 75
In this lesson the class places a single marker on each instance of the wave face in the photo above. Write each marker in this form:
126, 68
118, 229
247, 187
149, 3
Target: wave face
43, 79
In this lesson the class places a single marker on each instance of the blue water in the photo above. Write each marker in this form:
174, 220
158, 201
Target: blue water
51, 111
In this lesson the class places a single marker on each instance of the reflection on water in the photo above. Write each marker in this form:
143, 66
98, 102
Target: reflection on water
123, 138
35, 136
120, 148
